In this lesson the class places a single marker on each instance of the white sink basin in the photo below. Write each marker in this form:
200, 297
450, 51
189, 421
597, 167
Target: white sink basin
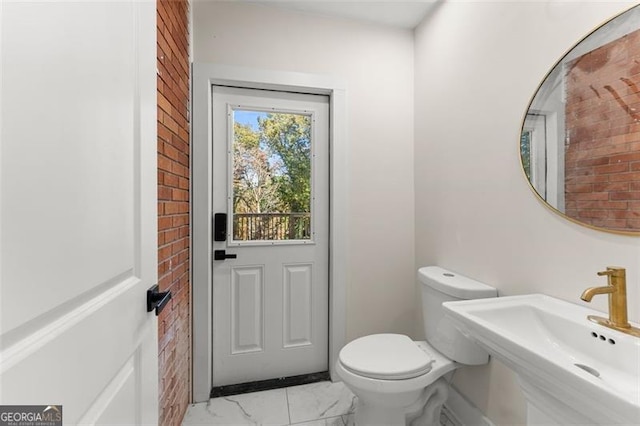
570, 368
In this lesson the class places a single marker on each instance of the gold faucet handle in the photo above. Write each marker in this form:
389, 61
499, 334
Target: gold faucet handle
613, 271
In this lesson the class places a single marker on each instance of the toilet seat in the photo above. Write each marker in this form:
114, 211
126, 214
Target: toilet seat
386, 357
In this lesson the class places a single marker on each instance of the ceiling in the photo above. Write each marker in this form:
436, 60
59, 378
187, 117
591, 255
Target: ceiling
396, 13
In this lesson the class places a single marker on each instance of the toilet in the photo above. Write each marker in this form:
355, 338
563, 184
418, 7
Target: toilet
399, 381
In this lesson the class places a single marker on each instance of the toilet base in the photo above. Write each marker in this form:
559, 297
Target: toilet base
423, 411
428, 414
368, 414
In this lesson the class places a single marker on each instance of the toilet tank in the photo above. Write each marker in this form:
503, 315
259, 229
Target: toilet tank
438, 286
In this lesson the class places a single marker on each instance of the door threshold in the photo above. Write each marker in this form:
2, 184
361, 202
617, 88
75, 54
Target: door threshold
262, 385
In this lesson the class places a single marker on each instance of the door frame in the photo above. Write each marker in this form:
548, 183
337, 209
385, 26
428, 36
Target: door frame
204, 77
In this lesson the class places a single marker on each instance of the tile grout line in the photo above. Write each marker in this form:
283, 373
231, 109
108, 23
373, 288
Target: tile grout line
304, 422
286, 394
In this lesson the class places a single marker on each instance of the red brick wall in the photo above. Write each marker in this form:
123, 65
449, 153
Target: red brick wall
174, 323
602, 163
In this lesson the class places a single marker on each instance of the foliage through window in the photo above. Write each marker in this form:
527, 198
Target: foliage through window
271, 176
525, 152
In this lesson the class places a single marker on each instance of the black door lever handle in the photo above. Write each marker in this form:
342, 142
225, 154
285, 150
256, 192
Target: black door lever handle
157, 299
222, 255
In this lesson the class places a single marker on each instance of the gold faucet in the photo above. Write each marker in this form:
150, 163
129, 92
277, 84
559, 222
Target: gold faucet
617, 291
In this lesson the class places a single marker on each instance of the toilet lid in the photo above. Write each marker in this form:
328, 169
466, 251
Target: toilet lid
385, 356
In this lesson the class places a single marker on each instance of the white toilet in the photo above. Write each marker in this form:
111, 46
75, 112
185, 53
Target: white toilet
402, 382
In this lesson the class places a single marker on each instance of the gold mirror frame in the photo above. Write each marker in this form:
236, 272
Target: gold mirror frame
580, 135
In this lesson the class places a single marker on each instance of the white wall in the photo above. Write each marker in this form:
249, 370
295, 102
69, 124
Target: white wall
477, 64
377, 65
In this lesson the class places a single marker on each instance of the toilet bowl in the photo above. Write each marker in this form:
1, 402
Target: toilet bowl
398, 398
399, 381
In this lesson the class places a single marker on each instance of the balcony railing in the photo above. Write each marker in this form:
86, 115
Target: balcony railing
271, 226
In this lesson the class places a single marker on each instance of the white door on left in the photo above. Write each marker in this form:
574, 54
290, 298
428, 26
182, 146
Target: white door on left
78, 209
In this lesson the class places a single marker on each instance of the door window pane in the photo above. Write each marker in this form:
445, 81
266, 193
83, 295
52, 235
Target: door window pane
271, 167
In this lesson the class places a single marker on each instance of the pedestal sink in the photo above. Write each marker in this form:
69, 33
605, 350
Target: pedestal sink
571, 370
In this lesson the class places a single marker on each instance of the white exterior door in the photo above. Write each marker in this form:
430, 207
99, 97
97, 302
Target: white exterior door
78, 209
270, 177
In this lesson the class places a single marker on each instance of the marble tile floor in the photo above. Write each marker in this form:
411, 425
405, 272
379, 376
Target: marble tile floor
315, 404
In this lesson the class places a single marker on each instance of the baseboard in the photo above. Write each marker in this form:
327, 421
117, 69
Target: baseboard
461, 412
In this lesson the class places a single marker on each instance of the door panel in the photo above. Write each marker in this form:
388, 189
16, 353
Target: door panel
270, 304
247, 329
297, 307
78, 244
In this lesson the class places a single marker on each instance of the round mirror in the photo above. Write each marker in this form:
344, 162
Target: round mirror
580, 139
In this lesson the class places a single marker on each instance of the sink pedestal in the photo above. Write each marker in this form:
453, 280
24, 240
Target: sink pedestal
536, 417
546, 410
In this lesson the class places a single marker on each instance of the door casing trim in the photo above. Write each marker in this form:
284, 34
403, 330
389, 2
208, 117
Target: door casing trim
204, 76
